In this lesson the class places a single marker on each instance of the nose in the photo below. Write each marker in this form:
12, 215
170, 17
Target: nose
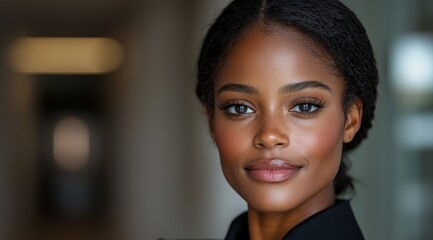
272, 133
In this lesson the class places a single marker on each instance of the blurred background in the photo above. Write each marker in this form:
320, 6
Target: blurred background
101, 136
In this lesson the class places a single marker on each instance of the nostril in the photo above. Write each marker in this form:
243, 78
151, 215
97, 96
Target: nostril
269, 137
270, 144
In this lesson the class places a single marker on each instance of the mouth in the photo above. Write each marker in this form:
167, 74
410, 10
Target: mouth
272, 170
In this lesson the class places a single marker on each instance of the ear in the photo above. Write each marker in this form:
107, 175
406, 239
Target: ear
353, 120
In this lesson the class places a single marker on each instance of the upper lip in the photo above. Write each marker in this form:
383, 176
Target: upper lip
271, 164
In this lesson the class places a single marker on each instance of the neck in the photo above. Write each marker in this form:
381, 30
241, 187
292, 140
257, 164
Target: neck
275, 225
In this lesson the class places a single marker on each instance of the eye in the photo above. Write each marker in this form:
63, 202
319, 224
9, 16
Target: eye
305, 108
238, 109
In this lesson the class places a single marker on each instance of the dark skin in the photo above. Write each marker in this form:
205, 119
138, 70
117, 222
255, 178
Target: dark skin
279, 127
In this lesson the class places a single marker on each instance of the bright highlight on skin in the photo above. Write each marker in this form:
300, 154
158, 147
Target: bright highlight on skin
41, 55
71, 143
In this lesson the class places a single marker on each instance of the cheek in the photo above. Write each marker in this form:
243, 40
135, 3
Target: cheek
322, 146
327, 139
230, 140
232, 144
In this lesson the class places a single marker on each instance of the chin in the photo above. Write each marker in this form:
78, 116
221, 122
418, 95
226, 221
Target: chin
284, 198
271, 200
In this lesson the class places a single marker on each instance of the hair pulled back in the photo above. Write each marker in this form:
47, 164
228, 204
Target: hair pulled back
328, 24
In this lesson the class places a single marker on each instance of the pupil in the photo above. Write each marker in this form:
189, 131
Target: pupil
305, 107
240, 109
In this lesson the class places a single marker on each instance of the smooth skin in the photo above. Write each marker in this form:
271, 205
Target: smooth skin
278, 98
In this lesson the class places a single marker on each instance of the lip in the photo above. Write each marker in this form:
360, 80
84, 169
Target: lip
272, 170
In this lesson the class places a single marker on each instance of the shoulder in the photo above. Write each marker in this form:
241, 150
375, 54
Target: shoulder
238, 229
334, 223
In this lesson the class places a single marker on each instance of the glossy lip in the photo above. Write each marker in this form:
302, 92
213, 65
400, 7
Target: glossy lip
271, 170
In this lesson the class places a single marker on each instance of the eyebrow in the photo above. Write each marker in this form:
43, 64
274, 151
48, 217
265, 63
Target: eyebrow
240, 88
291, 87
294, 87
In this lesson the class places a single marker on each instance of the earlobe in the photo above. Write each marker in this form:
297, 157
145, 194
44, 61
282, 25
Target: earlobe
353, 120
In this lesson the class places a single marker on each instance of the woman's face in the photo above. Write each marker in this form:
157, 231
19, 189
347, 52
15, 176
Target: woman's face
278, 121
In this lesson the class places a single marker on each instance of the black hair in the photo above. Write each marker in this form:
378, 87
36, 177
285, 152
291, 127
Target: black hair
329, 25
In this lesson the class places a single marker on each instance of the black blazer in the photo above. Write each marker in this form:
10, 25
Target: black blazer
334, 223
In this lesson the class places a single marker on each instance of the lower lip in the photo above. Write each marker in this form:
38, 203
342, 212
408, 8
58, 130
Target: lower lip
272, 175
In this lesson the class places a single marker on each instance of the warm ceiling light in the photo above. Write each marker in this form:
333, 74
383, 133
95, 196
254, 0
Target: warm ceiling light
37, 55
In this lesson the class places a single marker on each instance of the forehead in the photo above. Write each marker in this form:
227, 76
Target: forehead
275, 53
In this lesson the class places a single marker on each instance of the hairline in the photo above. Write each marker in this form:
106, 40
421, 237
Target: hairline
314, 47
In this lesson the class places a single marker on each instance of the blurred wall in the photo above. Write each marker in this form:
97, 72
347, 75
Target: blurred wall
382, 166
4, 164
174, 186
164, 174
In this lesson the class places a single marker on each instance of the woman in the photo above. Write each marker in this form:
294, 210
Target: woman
289, 87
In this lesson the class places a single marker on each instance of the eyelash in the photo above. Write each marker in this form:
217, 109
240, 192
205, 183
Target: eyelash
233, 104
311, 102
